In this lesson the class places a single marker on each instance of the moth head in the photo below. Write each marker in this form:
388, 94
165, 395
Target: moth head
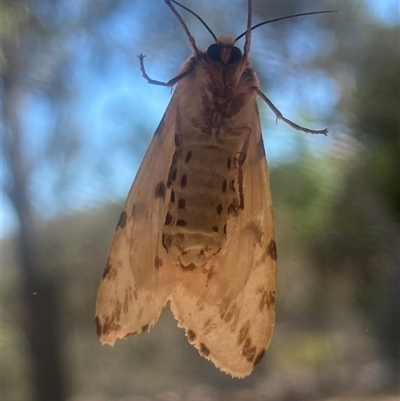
224, 51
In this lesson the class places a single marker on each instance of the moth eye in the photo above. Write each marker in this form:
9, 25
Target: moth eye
214, 52
236, 54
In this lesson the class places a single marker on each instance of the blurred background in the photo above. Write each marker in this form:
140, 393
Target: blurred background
76, 120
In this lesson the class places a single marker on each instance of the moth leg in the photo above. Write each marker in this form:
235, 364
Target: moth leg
170, 83
279, 116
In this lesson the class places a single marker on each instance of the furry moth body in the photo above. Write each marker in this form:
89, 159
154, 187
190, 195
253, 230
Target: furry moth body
197, 227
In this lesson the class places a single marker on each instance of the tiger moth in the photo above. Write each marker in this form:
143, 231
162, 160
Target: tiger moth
197, 228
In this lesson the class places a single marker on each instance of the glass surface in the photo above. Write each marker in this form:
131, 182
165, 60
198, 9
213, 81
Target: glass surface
77, 117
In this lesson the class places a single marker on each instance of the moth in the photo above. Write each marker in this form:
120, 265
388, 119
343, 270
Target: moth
197, 228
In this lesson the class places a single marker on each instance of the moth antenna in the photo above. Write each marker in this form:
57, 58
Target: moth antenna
246, 32
183, 25
199, 18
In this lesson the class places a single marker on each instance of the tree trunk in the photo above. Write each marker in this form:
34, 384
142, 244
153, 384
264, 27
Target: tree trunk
39, 292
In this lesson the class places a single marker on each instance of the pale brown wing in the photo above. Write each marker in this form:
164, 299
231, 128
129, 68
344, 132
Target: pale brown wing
228, 308
137, 279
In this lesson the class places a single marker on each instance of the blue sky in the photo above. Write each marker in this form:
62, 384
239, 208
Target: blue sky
100, 91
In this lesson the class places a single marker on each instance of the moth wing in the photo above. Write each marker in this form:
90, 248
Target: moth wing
228, 308
137, 279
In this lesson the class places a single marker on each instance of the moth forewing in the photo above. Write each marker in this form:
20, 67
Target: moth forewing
137, 279
197, 227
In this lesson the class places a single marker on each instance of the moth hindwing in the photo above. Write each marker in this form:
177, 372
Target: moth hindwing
197, 227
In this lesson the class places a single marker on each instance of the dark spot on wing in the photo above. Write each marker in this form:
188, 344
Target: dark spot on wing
130, 334
267, 300
223, 307
262, 301
215, 228
133, 210
210, 273
259, 357
270, 299
173, 169
230, 313
98, 326
232, 185
126, 303
122, 220
166, 241
235, 322
188, 267
225, 231
173, 174
233, 208
117, 310
108, 325
188, 156
181, 223
184, 181
248, 351
145, 328
191, 335
176, 139
244, 330
204, 350
168, 219
181, 203
129, 293
228, 163
172, 199
272, 250
224, 183
158, 262
107, 270
219, 209
160, 190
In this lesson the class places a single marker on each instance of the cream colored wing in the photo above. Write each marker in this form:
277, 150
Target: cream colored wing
137, 279
228, 308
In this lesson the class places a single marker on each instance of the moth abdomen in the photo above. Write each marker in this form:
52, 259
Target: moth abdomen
204, 187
